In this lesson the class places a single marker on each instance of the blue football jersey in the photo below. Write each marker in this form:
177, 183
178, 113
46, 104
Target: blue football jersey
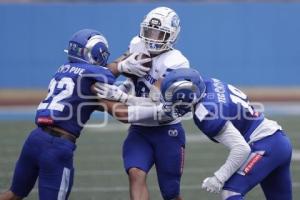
224, 102
70, 101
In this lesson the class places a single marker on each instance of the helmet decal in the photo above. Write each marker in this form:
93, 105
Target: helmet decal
175, 21
155, 22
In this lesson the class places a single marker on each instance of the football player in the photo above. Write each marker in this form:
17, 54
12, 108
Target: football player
153, 142
48, 151
260, 151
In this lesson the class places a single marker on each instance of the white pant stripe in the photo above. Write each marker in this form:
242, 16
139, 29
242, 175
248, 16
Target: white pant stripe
64, 185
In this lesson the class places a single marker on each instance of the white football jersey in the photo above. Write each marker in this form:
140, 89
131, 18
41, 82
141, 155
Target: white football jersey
161, 65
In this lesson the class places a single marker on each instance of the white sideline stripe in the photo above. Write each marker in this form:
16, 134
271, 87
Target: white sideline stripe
111, 127
126, 188
87, 173
151, 188
64, 185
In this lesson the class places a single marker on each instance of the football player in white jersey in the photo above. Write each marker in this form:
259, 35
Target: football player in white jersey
153, 143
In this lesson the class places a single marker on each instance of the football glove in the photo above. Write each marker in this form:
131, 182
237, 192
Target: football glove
165, 114
110, 92
212, 184
132, 65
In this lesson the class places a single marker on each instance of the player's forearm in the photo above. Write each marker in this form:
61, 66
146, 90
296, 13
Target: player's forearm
130, 114
153, 98
113, 66
142, 114
141, 101
239, 151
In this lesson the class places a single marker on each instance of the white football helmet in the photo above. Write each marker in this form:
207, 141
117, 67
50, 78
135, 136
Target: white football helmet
159, 29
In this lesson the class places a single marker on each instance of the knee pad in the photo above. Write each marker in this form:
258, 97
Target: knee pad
230, 195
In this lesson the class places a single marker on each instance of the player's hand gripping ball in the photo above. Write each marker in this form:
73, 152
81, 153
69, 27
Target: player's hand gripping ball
135, 65
147, 64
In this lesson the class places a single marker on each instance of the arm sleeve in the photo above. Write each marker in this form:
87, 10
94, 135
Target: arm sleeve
154, 98
208, 120
142, 114
133, 100
239, 151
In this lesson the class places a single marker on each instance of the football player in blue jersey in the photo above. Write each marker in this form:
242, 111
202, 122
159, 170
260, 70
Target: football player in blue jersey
260, 151
47, 153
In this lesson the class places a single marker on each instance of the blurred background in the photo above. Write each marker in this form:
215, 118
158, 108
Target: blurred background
250, 43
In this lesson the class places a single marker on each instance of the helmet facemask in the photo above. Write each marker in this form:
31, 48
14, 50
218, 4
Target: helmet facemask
156, 39
181, 96
182, 89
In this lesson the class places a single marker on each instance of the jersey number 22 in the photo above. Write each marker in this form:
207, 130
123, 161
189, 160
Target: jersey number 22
58, 91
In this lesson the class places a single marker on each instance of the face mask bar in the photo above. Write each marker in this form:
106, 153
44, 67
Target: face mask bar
156, 39
154, 34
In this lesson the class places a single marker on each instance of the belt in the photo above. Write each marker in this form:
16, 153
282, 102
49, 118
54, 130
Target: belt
57, 132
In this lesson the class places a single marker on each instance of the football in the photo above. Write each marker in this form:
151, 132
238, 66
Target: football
142, 56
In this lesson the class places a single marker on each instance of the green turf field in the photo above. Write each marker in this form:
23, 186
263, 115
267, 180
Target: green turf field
98, 163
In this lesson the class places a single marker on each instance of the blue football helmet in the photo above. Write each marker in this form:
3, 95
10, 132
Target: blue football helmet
182, 89
88, 46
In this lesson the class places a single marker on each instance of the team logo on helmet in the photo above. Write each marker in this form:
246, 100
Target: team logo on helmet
175, 21
155, 22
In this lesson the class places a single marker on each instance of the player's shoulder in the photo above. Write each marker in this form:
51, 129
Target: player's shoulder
217, 96
215, 85
136, 40
98, 72
173, 59
136, 45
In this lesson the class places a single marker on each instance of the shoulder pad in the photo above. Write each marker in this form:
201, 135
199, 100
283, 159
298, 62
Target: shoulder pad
173, 59
100, 74
137, 46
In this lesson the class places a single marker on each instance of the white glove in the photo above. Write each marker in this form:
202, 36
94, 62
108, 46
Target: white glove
110, 92
164, 114
128, 87
212, 184
131, 65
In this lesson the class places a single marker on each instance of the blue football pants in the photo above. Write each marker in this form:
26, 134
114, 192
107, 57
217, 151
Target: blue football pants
162, 146
270, 169
48, 159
